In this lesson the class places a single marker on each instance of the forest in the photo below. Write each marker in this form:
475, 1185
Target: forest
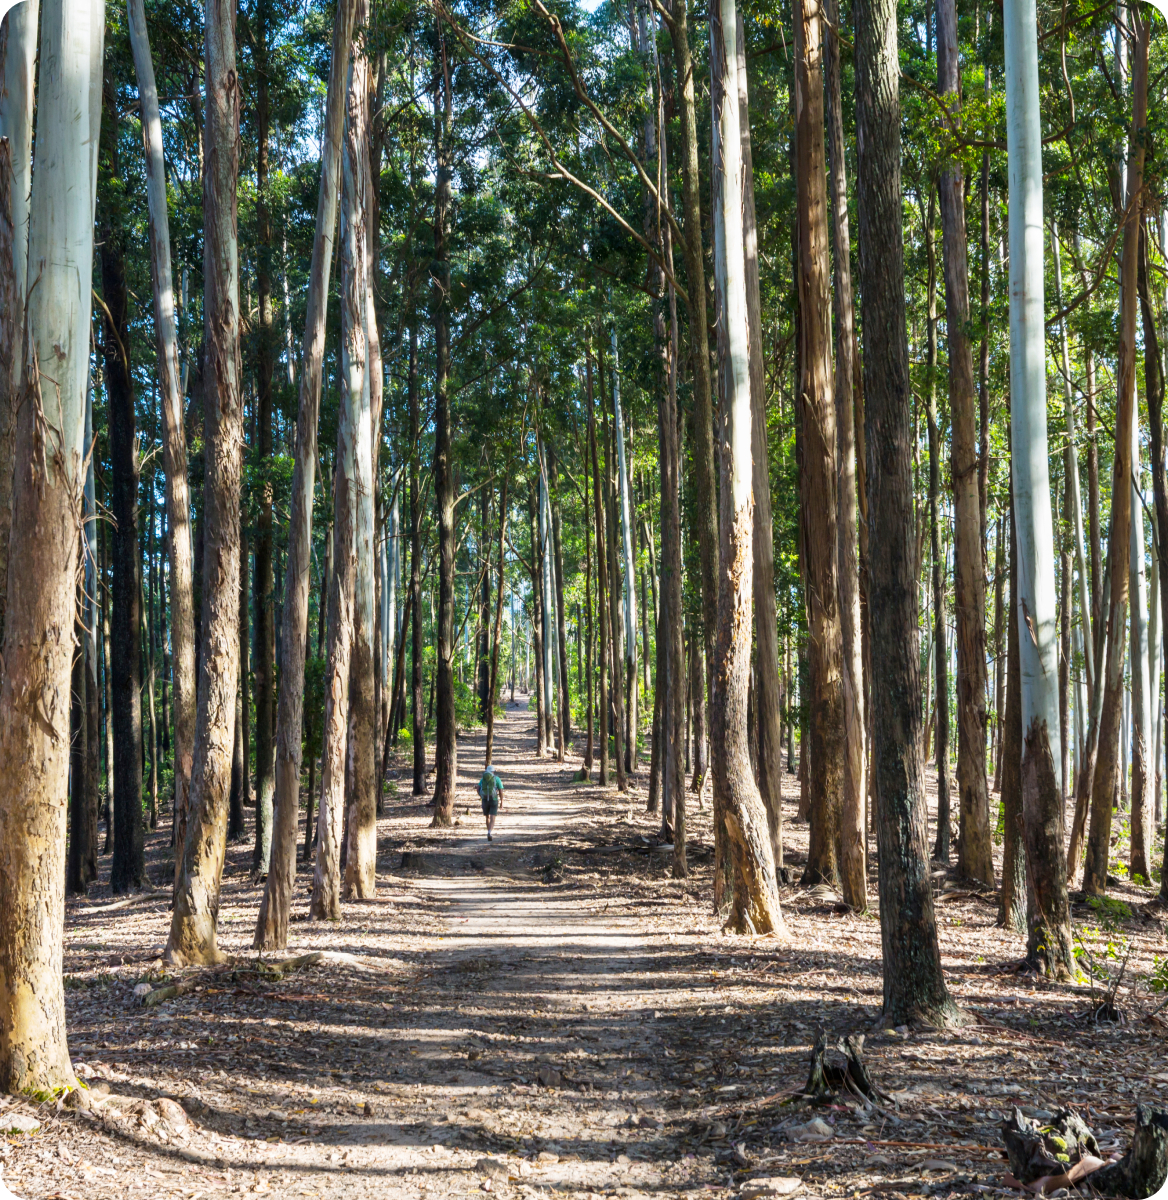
725, 445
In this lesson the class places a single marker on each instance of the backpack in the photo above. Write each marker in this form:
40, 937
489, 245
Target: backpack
490, 786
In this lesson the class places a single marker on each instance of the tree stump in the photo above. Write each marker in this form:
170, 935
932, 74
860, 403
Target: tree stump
1039, 1149
1143, 1170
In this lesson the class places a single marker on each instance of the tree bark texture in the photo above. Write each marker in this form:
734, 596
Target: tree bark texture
1012, 905
129, 864
47, 490
756, 900
975, 859
601, 580
272, 925
357, 368
196, 906
446, 747
817, 477
769, 688
1107, 764
914, 987
854, 808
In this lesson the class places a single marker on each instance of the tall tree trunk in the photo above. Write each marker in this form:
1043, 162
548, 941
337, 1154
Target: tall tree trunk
613, 597
914, 986
196, 905
1143, 762
360, 365
1097, 568
940, 625
1042, 802
417, 653
129, 865
47, 490
326, 882
589, 645
493, 690
264, 664
446, 747
483, 633
975, 851
756, 898
624, 501
18, 49
272, 926
705, 464
768, 686
853, 811
76, 882
241, 756
1108, 764
174, 446
92, 766
557, 548
817, 477
601, 576
1012, 906
533, 504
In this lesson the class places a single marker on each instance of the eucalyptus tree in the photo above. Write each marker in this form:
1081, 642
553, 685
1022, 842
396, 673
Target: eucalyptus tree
194, 927
48, 482
272, 925
1042, 800
914, 985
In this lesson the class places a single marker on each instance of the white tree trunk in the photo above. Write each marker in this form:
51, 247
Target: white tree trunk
178, 500
627, 551
1037, 608
16, 109
47, 502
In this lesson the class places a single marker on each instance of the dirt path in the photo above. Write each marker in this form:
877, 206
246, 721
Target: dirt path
550, 1011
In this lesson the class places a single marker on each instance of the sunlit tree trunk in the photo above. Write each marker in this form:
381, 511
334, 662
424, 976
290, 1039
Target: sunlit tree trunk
174, 446
975, 856
446, 747
1108, 763
1042, 800
854, 806
48, 482
768, 686
358, 366
601, 579
1142, 732
196, 904
914, 986
18, 48
817, 475
756, 900
624, 501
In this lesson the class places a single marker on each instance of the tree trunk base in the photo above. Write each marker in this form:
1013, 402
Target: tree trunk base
827, 1079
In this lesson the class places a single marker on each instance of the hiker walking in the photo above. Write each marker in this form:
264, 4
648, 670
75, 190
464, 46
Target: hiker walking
491, 793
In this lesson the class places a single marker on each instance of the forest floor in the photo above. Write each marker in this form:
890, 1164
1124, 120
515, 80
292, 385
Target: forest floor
551, 1012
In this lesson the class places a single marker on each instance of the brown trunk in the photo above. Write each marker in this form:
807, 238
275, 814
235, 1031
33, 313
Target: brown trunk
853, 812
446, 745
264, 663
615, 623
9, 344
240, 794
1107, 764
975, 856
1000, 668
695, 274
940, 626
565, 711
768, 686
272, 926
493, 691
826, 715
1012, 906
914, 986
601, 577
326, 881
417, 702
361, 372
77, 877
589, 693
1093, 509
541, 745
196, 903
129, 865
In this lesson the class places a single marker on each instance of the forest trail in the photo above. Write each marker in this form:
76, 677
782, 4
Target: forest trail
549, 1012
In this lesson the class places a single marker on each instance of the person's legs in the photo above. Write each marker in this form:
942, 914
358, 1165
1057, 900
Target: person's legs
490, 824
